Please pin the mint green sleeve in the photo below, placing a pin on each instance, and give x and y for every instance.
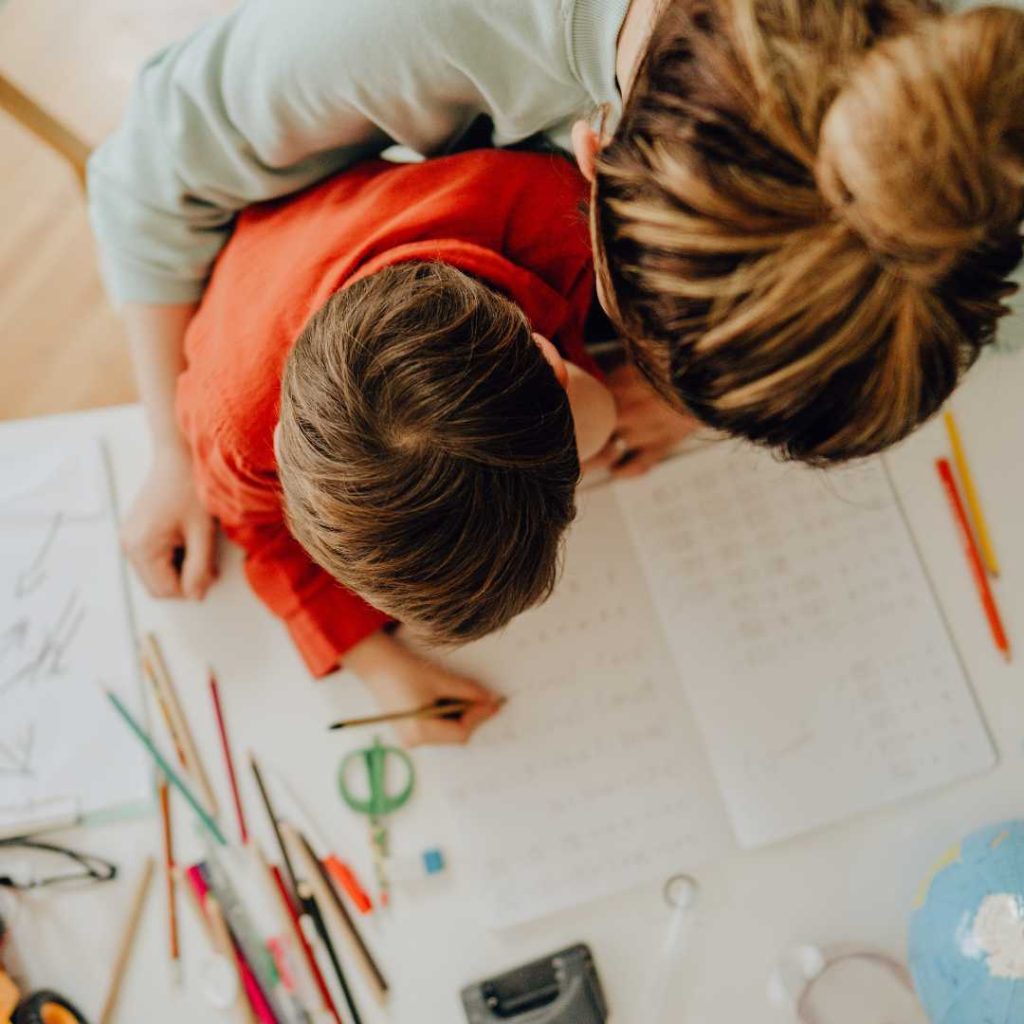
(277, 95)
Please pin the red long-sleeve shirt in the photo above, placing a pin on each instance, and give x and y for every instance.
(510, 219)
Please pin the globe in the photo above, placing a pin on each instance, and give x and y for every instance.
(967, 933)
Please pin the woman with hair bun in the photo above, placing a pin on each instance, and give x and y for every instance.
(805, 221)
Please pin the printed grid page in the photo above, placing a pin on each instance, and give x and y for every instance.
(64, 628)
(592, 778)
(807, 635)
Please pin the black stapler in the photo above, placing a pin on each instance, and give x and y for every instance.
(559, 989)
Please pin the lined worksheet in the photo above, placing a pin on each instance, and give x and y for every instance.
(738, 651)
(593, 777)
(805, 630)
(64, 631)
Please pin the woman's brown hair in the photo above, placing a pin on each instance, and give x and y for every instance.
(426, 450)
(805, 221)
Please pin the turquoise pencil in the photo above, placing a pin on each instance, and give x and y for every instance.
(165, 766)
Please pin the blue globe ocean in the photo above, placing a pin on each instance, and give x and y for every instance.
(967, 934)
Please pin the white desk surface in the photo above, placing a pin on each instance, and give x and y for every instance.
(854, 883)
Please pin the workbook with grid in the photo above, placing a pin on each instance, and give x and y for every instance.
(738, 651)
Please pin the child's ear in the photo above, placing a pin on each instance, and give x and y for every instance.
(586, 144)
(554, 359)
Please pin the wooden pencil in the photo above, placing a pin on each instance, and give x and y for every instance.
(169, 879)
(988, 550)
(229, 762)
(307, 950)
(167, 768)
(177, 723)
(438, 709)
(226, 948)
(988, 601)
(313, 874)
(312, 921)
(124, 949)
(374, 975)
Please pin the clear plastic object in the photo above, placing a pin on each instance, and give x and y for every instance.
(680, 893)
(844, 986)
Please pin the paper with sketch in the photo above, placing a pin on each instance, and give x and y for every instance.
(64, 627)
(813, 652)
(732, 641)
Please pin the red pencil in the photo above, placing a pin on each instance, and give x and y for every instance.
(172, 908)
(228, 760)
(307, 950)
(988, 602)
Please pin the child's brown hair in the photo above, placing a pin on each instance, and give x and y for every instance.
(805, 221)
(426, 450)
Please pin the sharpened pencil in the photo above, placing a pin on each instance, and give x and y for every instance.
(167, 768)
(988, 550)
(167, 697)
(169, 880)
(988, 601)
(229, 761)
(124, 950)
(438, 709)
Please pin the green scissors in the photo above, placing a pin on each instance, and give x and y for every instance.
(377, 801)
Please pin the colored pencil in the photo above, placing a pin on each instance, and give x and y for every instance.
(275, 824)
(319, 882)
(339, 870)
(124, 950)
(313, 920)
(249, 1002)
(308, 913)
(172, 904)
(970, 549)
(177, 724)
(218, 711)
(438, 709)
(167, 768)
(988, 550)
(307, 950)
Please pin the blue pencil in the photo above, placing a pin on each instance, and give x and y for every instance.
(165, 766)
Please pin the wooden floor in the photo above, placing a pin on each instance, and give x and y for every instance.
(61, 344)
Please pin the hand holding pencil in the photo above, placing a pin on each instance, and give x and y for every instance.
(402, 680)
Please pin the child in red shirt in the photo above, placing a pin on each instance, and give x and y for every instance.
(451, 240)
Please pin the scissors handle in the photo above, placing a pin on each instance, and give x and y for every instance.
(378, 801)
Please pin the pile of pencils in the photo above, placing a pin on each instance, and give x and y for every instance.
(275, 929)
(977, 543)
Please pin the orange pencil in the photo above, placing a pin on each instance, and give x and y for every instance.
(169, 869)
(988, 602)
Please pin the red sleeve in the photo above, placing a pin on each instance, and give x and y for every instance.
(325, 620)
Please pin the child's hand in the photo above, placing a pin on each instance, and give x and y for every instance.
(647, 427)
(167, 519)
(401, 679)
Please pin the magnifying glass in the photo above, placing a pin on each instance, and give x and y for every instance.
(680, 894)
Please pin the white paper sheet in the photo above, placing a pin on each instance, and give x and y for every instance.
(812, 649)
(64, 628)
(592, 778)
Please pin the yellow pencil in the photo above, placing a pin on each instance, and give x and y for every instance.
(988, 551)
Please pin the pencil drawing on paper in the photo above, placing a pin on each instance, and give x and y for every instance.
(34, 575)
(64, 621)
(16, 752)
(47, 656)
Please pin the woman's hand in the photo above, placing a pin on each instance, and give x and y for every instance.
(401, 679)
(647, 428)
(168, 535)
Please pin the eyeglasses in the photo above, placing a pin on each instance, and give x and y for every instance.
(54, 866)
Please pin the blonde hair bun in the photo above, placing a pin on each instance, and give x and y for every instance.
(922, 151)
